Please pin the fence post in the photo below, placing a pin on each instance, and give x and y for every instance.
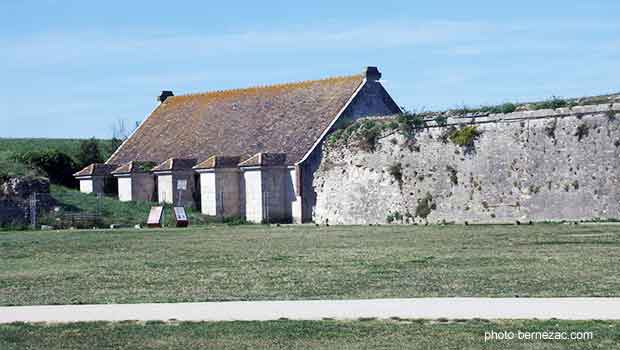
(98, 213)
(33, 211)
(219, 206)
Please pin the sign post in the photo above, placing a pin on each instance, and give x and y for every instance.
(155, 217)
(181, 186)
(181, 217)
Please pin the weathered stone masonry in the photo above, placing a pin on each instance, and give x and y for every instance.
(546, 165)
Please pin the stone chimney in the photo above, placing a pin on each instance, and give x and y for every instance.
(372, 73)
(164, 95)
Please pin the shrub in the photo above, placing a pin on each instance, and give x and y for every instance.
(425, 206)
(550, 128)
(145, 166)
(396, 171)
(369, 132)
(503, 108)
(11, 166)
(441, 120)
(336, 136)
(453, 175)
(465, 136)
(408, 122)
(395, 216)
(552, 103)
(58, 166)
(391, 125)
(582, 131)
(236, 220)
(508, 108)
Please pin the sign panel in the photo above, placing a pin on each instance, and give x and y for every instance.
(181, 217)
(182, 185)
(155, 216)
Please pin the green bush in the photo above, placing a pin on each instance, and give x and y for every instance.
(11, 166)
(335, 136)
(396, 171)
(395, 216)
(369, 131)
(552, 103)
(465, 136)
(507, 107)
(425, 206)
(408, 122)
(582, 131)
(441, 120)
(57, 166)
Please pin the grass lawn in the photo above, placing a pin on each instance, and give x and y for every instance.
(394, 334)
(258, 262)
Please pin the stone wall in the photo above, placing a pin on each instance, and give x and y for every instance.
(371, 100)
(15, 195)
(546, 165)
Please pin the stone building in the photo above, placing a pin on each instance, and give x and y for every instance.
(175, 181)
(135, 181)
(270, 188)
(97, 178)
(220, 187)
(277, 132)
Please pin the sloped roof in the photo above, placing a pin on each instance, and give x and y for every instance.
(219, 162)
(134, 167)
(96, 169)
(266, 159)
(286, 118)
(175, 164)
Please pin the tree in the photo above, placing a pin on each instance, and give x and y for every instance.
(58, 166)
(89, 152)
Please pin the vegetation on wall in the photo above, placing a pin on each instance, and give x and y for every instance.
(441, 120)
(465, 136)
(145, 166)
(552, 103)
(367, 132)
(453, 175)
(396, 171)
(582, 131)
(550, 128)
(408, 122)
(507, 107)
(392, 217)
(425, 206)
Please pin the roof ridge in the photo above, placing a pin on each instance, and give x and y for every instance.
(268, 86)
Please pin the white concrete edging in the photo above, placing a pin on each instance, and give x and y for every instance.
(418, 308)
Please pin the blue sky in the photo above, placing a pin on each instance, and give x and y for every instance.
(73, 68)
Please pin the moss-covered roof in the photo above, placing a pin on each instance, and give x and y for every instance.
(285, 118)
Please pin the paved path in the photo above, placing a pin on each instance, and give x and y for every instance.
(427, 308)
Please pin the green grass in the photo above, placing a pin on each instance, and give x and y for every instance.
(111, 210)
(68, 146)
(393, 334)
(258, 262)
